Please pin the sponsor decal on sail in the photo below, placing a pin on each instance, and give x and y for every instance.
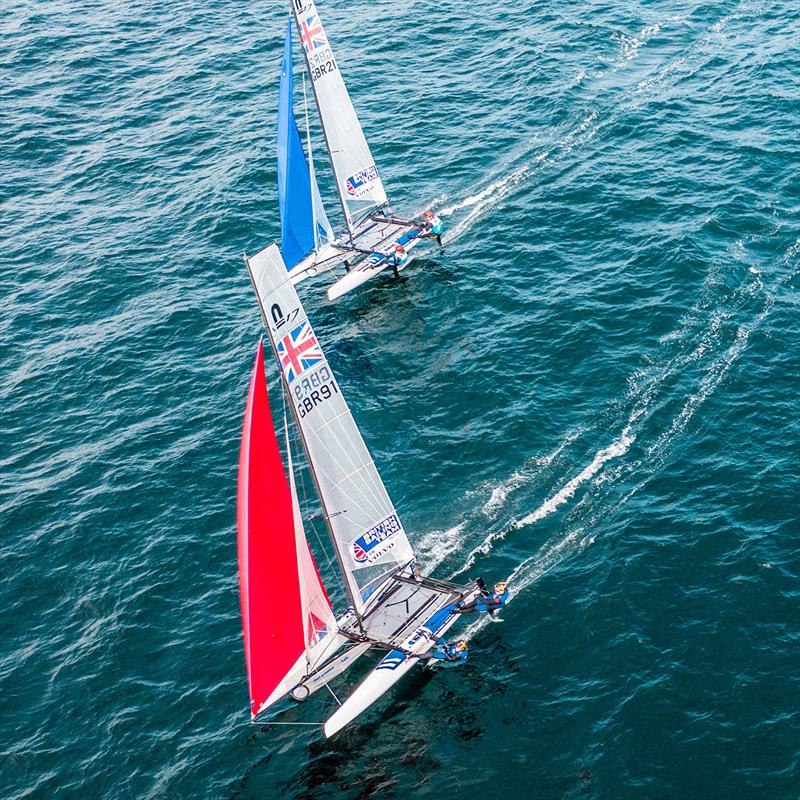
(373, 544)
(358, 184)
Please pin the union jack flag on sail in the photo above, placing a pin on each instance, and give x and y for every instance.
(298, 351)
(312, 34)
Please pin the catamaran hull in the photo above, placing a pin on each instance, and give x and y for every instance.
(368, 269)
(388, 672)
(328, 257)
(393, 667)
(361, 274)
(329, 671)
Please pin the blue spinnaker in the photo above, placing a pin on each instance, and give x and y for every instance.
(294, 178)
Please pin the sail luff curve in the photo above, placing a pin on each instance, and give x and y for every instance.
(357, 180)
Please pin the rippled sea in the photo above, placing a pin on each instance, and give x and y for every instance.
(591, 391)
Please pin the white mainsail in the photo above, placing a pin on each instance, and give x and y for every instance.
(367, 534)
(357, 180)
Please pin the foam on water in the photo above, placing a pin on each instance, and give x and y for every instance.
(617, 448)
(706, 346)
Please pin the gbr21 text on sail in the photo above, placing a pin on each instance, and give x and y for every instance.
(312, 36)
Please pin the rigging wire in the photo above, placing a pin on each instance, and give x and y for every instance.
(327, 686)
(305, 495)
(290, 723)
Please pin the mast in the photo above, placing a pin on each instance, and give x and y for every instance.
(354, 598)
(297, 6)
(298, 197)
(310, 167)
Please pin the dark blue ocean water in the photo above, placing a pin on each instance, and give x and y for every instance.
(593, 390)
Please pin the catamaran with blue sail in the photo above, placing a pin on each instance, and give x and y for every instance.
(374, 238)
(294, 643)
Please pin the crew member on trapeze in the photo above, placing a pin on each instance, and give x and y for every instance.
(448, 652)
(486, 602)
(433, 227)
(398, 256)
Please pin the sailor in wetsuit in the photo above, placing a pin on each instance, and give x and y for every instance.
(398, 256)
(449, 652)
(433, 226)
(486, 602)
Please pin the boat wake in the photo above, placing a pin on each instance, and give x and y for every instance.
(512, 175)
(524, 476)
(617, 448)
(563, 139)
(656, 411)
(437, 546)
(708, 338)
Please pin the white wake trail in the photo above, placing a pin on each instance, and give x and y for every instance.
(491, 195)
(617, 448)
(525, 475)
(532, 568)
(436, 546)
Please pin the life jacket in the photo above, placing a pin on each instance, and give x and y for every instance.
(493, 602)
(449, 652)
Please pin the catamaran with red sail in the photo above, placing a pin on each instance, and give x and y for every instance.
(294, 642)
(374, 239)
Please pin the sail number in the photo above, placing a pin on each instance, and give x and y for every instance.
(313, 390)
(321, 63)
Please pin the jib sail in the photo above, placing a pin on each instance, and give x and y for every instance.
(287, 620)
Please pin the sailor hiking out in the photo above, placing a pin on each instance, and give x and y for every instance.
(397, 258)
(449, 652)
(433, 226)
(486, 602)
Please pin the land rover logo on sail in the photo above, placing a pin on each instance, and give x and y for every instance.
(356, 184)
(370, 546)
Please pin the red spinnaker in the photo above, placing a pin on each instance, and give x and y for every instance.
(269, 579)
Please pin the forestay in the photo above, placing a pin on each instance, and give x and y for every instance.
(367, 534)
(357, 181)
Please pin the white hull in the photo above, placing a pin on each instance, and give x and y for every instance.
(326, 258)
(367, 270)
(329, 671)
(392, 668)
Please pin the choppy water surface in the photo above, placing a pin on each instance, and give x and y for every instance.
(593, 390)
